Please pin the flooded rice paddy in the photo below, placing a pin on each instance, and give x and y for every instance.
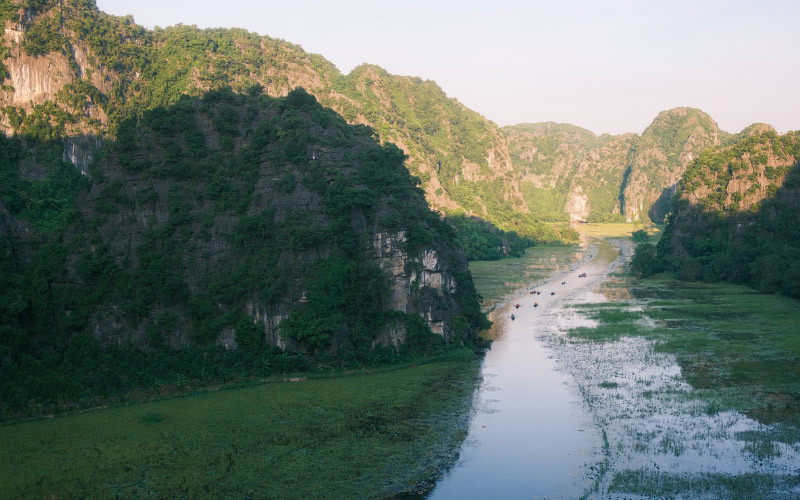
(578, 400)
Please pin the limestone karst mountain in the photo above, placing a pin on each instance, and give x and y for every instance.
(233, 208)
(736, 216)
(74, 72)
(665, 150)
(569, 173)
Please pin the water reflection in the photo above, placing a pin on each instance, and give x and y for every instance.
(530, 435)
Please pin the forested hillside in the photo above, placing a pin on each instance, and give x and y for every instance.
(569, 173)
(666, 148)
(736, 216)
(72, 71)
(227, 222)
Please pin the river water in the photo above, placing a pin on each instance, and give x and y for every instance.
(530, 435)
(556, 417)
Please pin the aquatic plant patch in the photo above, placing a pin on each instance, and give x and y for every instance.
(650, 484)
(698, 381)
(735, 340)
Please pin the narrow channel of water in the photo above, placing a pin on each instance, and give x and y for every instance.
(530, 435)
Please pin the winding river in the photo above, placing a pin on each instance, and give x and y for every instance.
(556, 417)
(530, 435)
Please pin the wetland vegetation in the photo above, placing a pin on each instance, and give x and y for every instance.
(367, 434)
(706, 382)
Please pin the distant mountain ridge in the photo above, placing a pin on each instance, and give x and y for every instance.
(74, 72)
(568, 172)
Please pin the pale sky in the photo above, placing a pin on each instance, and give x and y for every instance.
(609, 66)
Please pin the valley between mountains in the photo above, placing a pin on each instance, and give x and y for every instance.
(228, 269)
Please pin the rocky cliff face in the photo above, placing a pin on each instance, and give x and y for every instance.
(737, 213)
(569, 173)
(76, 72)
(244, 220)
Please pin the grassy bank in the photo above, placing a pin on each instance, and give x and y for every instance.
(618, 229)
(738, 349)
(362, 435)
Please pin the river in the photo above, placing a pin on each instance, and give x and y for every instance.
(560, 417)
(530, 435)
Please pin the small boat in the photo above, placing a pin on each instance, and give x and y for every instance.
(513, 317)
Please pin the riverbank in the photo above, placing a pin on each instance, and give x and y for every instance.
(679, 390)
(695, 387)
(369, 433)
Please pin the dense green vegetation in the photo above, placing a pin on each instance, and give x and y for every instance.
(564, 158)
(646, 484)
(363, 435)
(224, 171)
(663, 152)
(622, 177)
(142, 69)
(746, 235)
(483, 241)
(670, 131)
(551, 151)
(43, 192)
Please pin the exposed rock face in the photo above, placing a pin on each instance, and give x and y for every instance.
(568, 172)
(424, 271)
(110, 68)
(219, 214)
(34, 80)
(578, 205)
(80, 150)
(667, 147)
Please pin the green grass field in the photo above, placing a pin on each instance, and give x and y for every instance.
(619, 230)
(363, 435)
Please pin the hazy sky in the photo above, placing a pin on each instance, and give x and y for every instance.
(609, 66)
